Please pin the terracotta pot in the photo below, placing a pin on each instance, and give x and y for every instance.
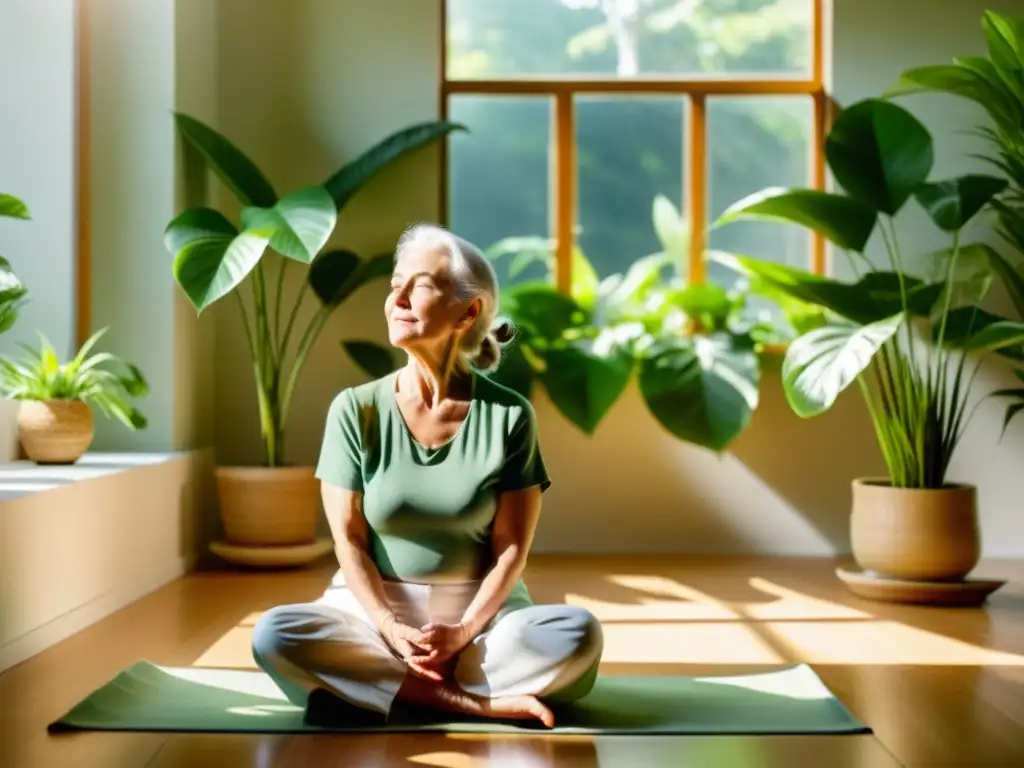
(915, 534)
(55, 431)
(263, 506)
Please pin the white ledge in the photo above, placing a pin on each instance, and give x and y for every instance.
(23, 478)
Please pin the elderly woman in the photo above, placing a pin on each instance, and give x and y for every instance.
(431, 480)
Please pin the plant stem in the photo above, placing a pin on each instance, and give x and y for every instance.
(309, 337)
(277, 307)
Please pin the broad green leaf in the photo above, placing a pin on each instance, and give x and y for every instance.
(345, 182)
(1005, 46)
(302, 222)
(843, 220)
(874, 297)
(879, 153)
(584, 280)
(228, 162)
(954, 202)
(708, 304)
(336, 275)
(13, 208)
(673, 232)
(963, 325)
(543, 309)
(375, 360)
(1006, 83)
(210, 257)
(821, 364)
(995, 336)
(702, 390)
(624, 294)
(584, 385)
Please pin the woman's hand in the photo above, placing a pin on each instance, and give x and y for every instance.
(408, 642)
(443, 642)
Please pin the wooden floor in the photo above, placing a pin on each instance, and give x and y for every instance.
(937, 686)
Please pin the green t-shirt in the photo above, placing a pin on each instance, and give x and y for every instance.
(430, 510)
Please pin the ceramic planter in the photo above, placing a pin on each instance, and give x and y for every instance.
(55, 431)
(268, 506)
(915, 534)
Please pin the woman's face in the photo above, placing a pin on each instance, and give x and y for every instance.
(422, 311)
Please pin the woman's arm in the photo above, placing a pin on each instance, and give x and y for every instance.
(514, 525)
(344, 510)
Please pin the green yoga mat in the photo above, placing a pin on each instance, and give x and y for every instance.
(147, 697)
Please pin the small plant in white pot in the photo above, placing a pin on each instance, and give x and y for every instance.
(55, 421)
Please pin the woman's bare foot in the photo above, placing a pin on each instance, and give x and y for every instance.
(520, 707)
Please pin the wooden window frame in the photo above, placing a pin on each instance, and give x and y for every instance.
(695, 182)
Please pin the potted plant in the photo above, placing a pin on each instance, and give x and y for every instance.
(996, 83)
(886, 333)
(275, 503)
(55, 420)
(694, 348)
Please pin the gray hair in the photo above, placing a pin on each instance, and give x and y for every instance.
(472, 277)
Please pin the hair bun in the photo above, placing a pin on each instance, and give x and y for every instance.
(503, 332)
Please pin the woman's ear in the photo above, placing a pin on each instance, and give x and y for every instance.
(470, 315)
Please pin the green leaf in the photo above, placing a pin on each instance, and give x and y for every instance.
(1004, 45)
(879, 153)
(673, 232)
(584, 280)
(336, 275)
(302, 222)
(843, 220)
(958, 81)
(584, 385)
(543, 310)
(954, 202)
(375, 360)
(13, 208)
(995, 336)
(707, 303)
(1017, 394)
(874, 297)
(228, 162)
(702, 390)
(210, 257)
(1013, 278)
(821, 364)
(346, 181)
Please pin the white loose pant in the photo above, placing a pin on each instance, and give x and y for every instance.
(549, 651)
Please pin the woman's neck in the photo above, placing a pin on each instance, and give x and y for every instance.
(433, 379)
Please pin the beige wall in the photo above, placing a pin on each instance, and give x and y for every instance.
(314, 82)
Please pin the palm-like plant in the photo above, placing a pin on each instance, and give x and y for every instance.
(213, 256)
(915, 385)
(996, 83)
(87, 378)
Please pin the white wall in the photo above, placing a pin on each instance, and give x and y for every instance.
(37, 164)
(313, 82)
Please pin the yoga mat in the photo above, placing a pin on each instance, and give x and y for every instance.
(147, 697)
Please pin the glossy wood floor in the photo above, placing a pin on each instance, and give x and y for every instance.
(938, 686)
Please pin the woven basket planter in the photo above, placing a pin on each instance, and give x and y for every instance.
(55, 431)
(268, 506)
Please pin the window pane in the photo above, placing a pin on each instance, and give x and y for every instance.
(499, 173)
(753, 143)
(627, 38)
(629, 151)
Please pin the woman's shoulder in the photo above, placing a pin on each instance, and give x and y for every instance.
(358, 397)
(497, 396)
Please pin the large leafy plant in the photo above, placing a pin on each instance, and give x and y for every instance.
(888, 330)
(214, 257)
(995, 83)
(94, 379)
(12, 291)
(692, 347)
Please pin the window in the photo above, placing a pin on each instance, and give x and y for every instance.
(581, 112)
